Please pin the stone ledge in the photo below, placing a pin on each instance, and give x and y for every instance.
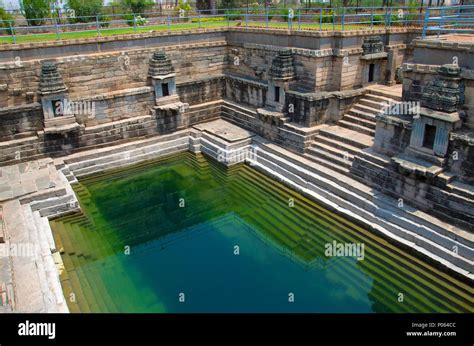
(20, 108)
(432, 69)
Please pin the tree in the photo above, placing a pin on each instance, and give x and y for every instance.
(136, 6)
(7, 20)
(35, 11)
(85, 8)
(207, 5)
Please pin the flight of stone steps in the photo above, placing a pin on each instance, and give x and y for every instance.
(409, 225)
(336, 146)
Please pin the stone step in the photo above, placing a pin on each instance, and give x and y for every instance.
(380, 98)
(359, 128)
(328, 160)
(372, 156)
(349, 136)
(120, 148)
(385, 93)
(461, 189)
(340, 152)
(109, 162)
(367, 109)
(370, 124)
(379, 210)
(370, 173)
(235, 106)
(363, 190)
(361, 115)
(334, 143)
(372, 104)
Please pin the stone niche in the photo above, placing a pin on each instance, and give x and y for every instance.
(168, 108)
(163, 79)
(53, 94)
(439, 116)
(282, 72)
(373, 60)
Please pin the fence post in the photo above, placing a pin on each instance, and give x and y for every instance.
(441, 22)
(169, 23)
(246, 20)
(266, 18)
(371, 17)
(390, 18)
(320, 19)
(343, 17)
(12, 31)
(97, 25)
(199, 19)
(57, 28)
(425, 22)
(333, 20)
(134, 23)
(299, 20)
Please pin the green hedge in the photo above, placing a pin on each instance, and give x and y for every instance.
(4, 15)
(210, 19)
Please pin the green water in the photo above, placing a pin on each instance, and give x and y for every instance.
(185, 234)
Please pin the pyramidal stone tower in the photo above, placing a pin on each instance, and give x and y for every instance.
(54, 100)
(281, 73)
(163, 78)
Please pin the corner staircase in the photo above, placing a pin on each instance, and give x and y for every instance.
(335, 146)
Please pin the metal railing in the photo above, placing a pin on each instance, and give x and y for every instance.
(319, 19)
(450, 19)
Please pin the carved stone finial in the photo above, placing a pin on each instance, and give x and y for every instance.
(372, 45)
(160, 65)
(282, 66)
(50, 79)
(446, 92)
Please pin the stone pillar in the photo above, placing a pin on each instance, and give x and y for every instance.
(390, 76)
(417, 133)
(441, 141)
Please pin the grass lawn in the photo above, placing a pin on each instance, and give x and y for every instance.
(174, 27)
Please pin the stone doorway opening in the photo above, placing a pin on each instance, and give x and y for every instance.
(371, 73)
(429, 137)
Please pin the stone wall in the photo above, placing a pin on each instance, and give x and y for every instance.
(21, 120)
(312, 109)
(421, 193)
(112, 73)
(462, 164)
(245, 91)
(392, 135)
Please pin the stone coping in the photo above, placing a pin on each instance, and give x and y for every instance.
(433, 69)
(466, 136)
(375, 56)
(272, 31)
(247, 80)
(305, 51)
(20, 108)
(91, 55)
(315, 96)
(438, 115)
(442, 43)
